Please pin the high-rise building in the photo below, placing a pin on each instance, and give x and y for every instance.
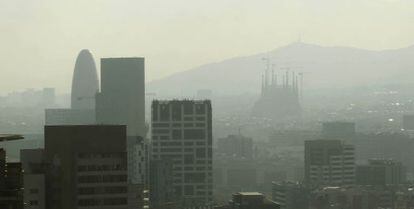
(381, 172)
(85, 82)
(182, 132)
(88, 168)
(329, 163)
(122, 97)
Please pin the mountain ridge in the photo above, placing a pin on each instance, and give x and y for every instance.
(323, 67)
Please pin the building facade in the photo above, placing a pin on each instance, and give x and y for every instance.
(122, 97)
(182, 132)
(381, 172)
(329, 163)
(88, 168)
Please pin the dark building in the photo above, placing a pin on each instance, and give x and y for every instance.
(182, 132)
(236, 145)
(161, 185)
(329, 163)
(278, 101)
(11, 183)
(338, 130)
(122, 97)
(381, 172)
(88, 168)
(250, 200)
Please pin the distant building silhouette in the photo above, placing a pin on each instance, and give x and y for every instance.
(84, 89)
(122, 96)
(85, 82)
(278, 100)
(182, 132)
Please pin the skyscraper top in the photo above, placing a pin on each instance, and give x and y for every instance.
(85, 82)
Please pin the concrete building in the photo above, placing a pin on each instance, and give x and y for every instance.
(249, 200)
(88, 168)
(34, 178)
(329, 163)
(122, 97)
(182, 132)
(236, 145)
(290, 195)
(70, 116)
(85, 82)
(381, 172)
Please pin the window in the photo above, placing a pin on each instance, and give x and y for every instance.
(188, 190)
(194, 134)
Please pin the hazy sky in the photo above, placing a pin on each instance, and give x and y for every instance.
(40, 39)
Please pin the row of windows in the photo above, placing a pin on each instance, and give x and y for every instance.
(105, 201)
(102, 178)
(114, 167)
(102, 190)
(101, 155)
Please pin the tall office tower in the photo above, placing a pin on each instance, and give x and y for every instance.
(85, 82)
(88, 168)
(122, 96)
(34, 178)
(329, 163)
(182, 132)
